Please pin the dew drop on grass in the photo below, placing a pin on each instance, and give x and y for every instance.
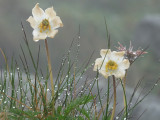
(155, 84)
(55, 86)
(5, 102)
(65, 89)
(117, 118)
(47, 89)
(68, 93)
(13, 107)
(124, 118)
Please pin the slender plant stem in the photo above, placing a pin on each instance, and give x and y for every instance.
(50, 74)
(74, 83)
(114, 104)
(106, 116)
(125, 100)
(124, 85)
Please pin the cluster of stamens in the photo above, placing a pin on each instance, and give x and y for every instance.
(111, 65)
(44, 25)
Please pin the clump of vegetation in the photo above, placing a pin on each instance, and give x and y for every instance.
(69, 95)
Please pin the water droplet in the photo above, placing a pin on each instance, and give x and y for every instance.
(117, 118)
(13, 107)
(79, 37)
(155, 84)
(124, 118)
(65, 89)
(47, 89)
(55, 86)
(5, 102)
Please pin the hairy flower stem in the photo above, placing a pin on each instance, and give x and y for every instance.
(114, 104)
(50, 74)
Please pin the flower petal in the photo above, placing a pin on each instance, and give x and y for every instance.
(52, 33)
(56, 22)
(37, 12)
(104, 73)
(124, 64)
(118, 54)
(32, 22)
(119, 74)
(105, 52)
(98, 64)
(38, 36)
(50, 13)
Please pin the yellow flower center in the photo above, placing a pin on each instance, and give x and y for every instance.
(44, 25)
(111, 65)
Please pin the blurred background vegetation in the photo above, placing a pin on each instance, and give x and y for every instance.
(128, 20)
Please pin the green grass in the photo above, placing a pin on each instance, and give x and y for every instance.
(26, 95)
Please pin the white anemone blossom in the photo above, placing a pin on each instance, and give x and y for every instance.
(111, 63)
(44, 23)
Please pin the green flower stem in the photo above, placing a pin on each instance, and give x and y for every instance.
(50, 74)
(114, 104)
(124, 85)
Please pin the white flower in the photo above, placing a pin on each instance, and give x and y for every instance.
(111, 63)
(44, 23)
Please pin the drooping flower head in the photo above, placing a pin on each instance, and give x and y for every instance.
(129, 53)
(44, 23)
(111, 63)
